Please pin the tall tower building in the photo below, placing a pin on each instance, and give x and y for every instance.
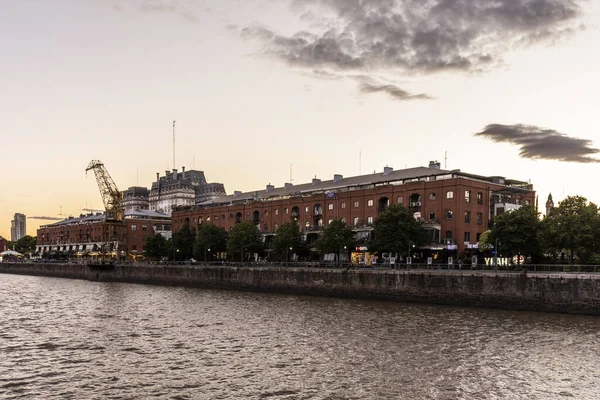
(549, 204)
(18, 227)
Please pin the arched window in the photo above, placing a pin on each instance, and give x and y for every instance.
(449, 194)
(449, 214)
(431, 196)
(355, 221)
(431, 215)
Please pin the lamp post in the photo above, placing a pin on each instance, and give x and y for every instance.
(342, 247)
(205, 249)
(286, 254)
(496, 257)
(410, 245)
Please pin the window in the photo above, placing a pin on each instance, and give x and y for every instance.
(134, 247)
(356, 203)
(478, 236)
(343, 205)
(467, 196)
(330, 206)
(355, 221)
(467, 217)
(370, 203)
(399, 200)
(329, 222)
(275, 227)
(276, 211)
(479, 198)
(208, 218)
(266, 227)
(306, 209)
(369, 220)
(144, 228)
(449, 214)
(431, 196)
(467, 236)
(287, 211)
(133, 228)
(479, 218)
(449, 235)
(133, 238)
(431, 215)
(266, 213)
(307, 224)
(223, 216)
(450, 194)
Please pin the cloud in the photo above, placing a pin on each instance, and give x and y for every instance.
(394, 91)
(174, 7)
(47, 218)
(416, 36)
(538, 143)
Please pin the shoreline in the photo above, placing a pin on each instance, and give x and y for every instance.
(574, 293)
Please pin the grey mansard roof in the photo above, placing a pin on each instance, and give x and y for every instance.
(142, 214)
(389, 176)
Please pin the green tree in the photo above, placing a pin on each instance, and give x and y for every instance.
(182, 243)
(156, 247)
(288, 235)
(518, 232)
(576, 226)
(485, 240)
(26, 245)
(244, 238)
(334, 237)
(395, 230)
(210, 239)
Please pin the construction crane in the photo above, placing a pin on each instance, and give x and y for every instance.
(112, 197)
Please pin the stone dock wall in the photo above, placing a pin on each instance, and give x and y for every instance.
(565, 293)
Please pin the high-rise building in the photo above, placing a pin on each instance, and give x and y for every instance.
(18, 227)
(136, 198)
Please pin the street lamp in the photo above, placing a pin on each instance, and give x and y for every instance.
(496, 256)
(286, 254)
(410, 244)
(340, 254)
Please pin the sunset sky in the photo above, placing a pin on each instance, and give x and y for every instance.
(505, 87)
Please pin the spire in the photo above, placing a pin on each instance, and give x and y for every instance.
(549, 204)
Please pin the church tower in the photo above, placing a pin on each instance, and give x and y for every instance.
(549, 204)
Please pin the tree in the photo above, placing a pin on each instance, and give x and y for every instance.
(485, 240)
(209, 239)
(26, 245)
(575, 224)
(518, 232)
(156, 247)
(288, 235)
(395, 230)
(182, 243)
(334, 237)
(243, 239)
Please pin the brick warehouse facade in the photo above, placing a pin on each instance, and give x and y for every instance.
(454, 207)
(83, 235)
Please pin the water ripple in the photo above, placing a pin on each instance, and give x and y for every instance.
(68, 339)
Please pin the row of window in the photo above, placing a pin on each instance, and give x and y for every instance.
(466, 237)
(450, 215)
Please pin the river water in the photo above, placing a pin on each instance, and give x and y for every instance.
(70, 339)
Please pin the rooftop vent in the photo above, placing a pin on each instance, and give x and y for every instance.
(270, 187)
(337, 178)
(316, 181)
(387, 171)
(434, 164)
(288, 185)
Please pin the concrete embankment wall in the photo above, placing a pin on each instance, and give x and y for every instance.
(567, 293)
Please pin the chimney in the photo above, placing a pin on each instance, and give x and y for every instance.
(434, 164)
(270, 187)
(316, 181)
(237, 193)
(182, 169)
(157, 176)
(337, 178)
(387, 170)
(288, 185)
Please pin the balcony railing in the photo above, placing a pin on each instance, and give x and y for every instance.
(415, 204)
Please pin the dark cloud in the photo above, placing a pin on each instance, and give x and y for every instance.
(416, 36)
(539, 143)
(46, 218)
(392, 90)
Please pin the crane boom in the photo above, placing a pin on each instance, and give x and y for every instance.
(111, 195)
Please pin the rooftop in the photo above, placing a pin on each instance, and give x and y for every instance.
(129, 214)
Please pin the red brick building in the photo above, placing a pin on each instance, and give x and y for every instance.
(83, 236)
(455, 207)
(3, 244)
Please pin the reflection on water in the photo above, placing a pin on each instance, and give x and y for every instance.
(76, 339)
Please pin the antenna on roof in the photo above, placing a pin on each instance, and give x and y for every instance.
(360, 162)
(174, 144)
(446, 160)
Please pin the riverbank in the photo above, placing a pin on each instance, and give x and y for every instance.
(564, 293)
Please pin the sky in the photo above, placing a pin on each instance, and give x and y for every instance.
(268, 90)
